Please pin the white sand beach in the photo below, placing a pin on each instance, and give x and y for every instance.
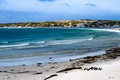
(110, 71)
(106, 69)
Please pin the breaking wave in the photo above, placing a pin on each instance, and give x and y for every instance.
(45, 43)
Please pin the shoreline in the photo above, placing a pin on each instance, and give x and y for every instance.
(51, 70)
(102, 29)
(29, 61)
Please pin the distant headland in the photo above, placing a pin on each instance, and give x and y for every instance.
(87, 23)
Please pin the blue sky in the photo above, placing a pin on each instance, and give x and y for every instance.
(52, 10)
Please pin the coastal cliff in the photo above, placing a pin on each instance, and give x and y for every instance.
(68, 23)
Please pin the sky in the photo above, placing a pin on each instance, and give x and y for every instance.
(54, 10)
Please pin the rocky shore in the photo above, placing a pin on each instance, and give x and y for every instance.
(47, 71)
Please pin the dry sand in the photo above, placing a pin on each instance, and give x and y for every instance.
(110, 71)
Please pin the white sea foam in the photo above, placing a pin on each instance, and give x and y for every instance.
(45, 43)
(16, 45)
(110, 30)
(41, 42)
(90, 38)
(64, 42)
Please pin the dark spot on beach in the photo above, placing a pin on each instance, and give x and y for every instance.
(39, 64)
(70, 60)
(50, 57)
(38, 73)
(51, 76)
(1, 71)
(52, 67)
(23, 65)
(4, 71)
(12, 70)
(68, 69)
(93, 68)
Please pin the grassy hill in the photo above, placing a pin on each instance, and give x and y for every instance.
(67, 23)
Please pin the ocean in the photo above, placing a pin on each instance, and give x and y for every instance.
(42, 45)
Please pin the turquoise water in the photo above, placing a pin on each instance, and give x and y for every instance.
(33, 42)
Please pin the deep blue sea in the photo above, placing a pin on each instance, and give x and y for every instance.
(32, 45)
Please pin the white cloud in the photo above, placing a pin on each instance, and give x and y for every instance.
(61, 6)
